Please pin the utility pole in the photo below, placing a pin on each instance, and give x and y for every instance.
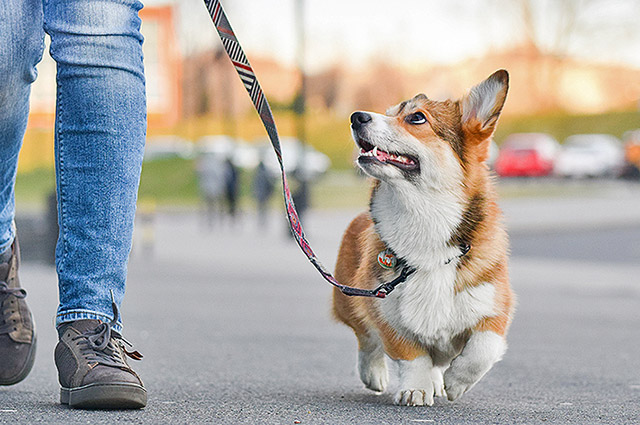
(300, 101)
(301, 195)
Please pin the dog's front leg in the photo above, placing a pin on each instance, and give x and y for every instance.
(478, 356)
(371, 363)
(417, 385)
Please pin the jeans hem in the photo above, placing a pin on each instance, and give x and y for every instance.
(12, 237)
(73, 315)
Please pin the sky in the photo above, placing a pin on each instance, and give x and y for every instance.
(415, 32)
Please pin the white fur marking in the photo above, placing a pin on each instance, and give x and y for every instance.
(417, 224)
(437, 171)
(372, 366)
(482, 351)
(416, 382)
(437, 377)
(427, 309)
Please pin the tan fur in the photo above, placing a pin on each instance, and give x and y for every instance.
(358, 265)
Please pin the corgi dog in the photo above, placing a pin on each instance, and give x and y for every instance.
(433, 209)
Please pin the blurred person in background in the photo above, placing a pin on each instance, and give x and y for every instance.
(211, 182)
(263, 186)
(100, 131)
(231, 186)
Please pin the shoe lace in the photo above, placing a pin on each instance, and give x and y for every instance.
(103, 344)
(5, 291)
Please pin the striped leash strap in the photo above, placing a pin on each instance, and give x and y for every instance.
(246, 74)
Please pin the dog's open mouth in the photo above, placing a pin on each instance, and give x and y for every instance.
(368, 152)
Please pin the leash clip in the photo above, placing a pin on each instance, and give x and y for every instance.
(386, 288)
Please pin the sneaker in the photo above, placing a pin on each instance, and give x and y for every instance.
(17, 330)
(93, 369)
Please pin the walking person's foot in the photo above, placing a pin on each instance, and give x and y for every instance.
(92, 367)
(17, 330)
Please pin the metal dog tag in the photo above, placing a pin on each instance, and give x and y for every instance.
(387, 259)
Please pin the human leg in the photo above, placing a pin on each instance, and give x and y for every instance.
(99, 143)
(21, 44)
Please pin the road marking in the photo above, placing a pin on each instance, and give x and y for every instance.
(8, 411)
(422, 420)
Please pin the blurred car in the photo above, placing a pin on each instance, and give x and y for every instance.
(218, 145)
(632, 153)
(163, 147)
(590, 155)
(299, 158)
(242, 154)
(526, 155)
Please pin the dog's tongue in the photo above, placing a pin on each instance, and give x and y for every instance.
(381, 156)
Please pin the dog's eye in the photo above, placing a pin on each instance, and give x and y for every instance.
(416, 118)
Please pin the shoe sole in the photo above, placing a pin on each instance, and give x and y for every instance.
(27, 366)
(105, 396)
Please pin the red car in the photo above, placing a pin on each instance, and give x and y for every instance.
(527, 155)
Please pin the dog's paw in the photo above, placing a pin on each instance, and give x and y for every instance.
(414, 397)
(456, 385)
(454, 391)
(373, 371)
(376, 379)
(482, 350)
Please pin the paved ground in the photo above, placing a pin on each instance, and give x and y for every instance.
(235, 328)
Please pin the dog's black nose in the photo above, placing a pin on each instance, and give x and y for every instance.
(358, 119)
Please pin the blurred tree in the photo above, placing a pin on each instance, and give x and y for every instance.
(384, 86)
(559, 27)
(324, 87)
(555, 31)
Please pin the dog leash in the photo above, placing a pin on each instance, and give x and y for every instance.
(248, 77)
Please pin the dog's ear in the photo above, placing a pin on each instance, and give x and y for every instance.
(481, 108)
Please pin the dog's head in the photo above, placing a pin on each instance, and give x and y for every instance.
(429, 142)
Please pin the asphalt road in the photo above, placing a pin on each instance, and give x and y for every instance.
(609, 244)
(235, 329)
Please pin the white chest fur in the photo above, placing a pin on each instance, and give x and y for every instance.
(418, 228)
(417, 225)
(427, 308)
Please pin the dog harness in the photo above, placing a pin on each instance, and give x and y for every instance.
(248, 77)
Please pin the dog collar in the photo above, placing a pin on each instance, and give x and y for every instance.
(388, 260)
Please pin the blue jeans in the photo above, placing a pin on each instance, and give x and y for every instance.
(100, 131)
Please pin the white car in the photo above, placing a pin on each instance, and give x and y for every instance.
(242, 154)
(300, 158)
(163, 147)
(590, 155)
(307, 162)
